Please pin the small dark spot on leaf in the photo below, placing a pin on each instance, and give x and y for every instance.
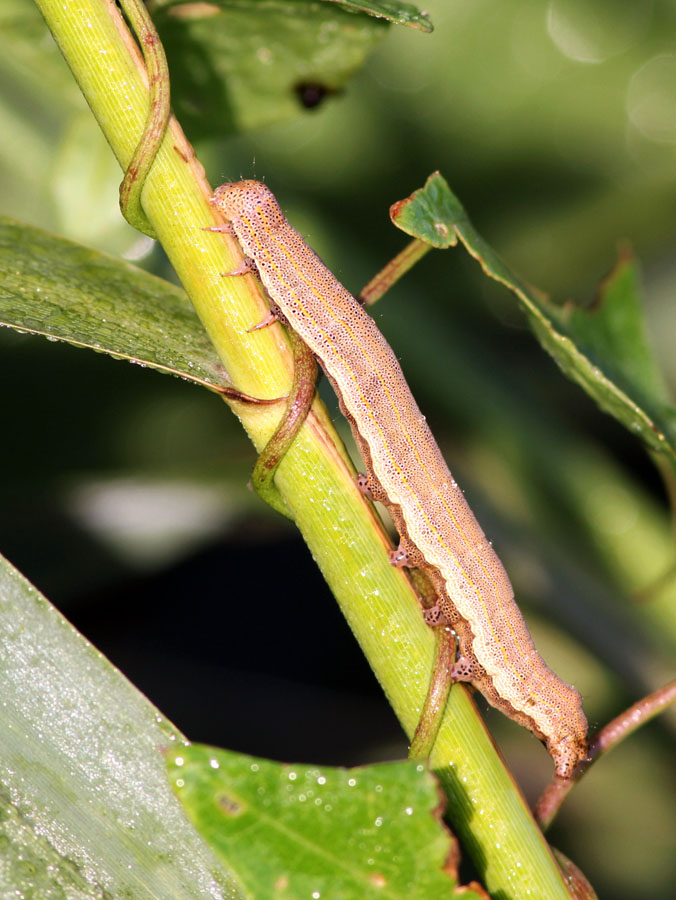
(311, 94)
(230, 805)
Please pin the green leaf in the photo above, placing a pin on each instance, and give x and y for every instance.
(430, 213)
(57, 168)
(603, 348)
(240, 65)
(371, 832)
(85, 808)
(64, 291)
(613, 331)
(393, 11)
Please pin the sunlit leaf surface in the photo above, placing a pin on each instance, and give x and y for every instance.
(350, 833)
(53, 287)
(86, 810)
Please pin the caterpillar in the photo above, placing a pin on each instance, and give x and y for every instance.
(407, 472)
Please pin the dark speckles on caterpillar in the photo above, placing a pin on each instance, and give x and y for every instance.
(406, 469)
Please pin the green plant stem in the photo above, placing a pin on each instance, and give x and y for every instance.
(315, 477)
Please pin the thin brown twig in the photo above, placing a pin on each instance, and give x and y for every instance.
(157, 119)
(606, 739)
(393, 271)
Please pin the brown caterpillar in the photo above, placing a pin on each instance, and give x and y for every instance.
(406, 471)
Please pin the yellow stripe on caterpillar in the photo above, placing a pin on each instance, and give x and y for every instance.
(406, 471)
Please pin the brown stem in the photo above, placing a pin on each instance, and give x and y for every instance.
(440, 680)
(156, 121)
(437, 695)
(393, 271)
(298, 405)
(233, 394)
(632, 719)
(608, 737)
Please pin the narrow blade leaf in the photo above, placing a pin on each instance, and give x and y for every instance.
(86, 807)
(59, 289)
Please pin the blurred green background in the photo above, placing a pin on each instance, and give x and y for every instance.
(123, 494)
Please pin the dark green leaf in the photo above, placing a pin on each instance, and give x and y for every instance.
(393, 11)
(372, 832)
(64, 291)
(613, 331)
(240, 65)
(603, 348)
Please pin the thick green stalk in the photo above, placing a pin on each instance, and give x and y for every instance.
(315, 477)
